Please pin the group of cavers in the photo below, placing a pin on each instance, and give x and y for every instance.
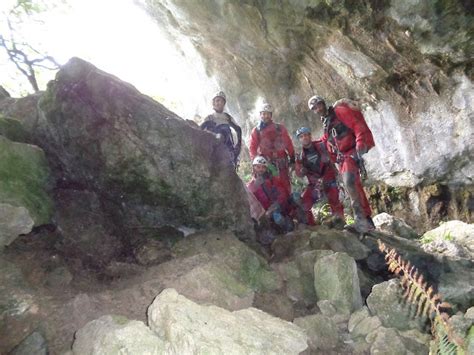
(335, 156)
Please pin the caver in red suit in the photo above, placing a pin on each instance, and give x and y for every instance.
(347, 137)
(272, 141)
(315, 164)
(271, 192)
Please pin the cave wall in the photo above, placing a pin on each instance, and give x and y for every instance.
(409, 65)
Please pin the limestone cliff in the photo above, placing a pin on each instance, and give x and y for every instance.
(409, 64)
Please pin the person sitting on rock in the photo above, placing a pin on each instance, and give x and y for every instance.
(347, 138)
(272, 141)
(271, 192)
(222, 124)
(314, 163)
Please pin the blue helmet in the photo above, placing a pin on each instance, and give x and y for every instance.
(302, 130)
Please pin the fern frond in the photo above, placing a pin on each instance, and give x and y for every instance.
(428, 303)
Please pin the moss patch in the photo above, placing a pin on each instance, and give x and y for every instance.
(12, 129)
(24, 178)
(254, 273)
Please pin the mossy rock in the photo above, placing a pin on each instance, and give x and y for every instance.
(24, 179)
(13, 130)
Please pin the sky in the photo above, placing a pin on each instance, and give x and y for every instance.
(118, 37)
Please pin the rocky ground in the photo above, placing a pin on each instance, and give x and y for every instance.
(326, 282)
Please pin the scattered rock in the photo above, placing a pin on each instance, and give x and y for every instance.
(114, 334)
(213, 283)
(452, 239)
(34, 343)
(224, 247)
(192, 328)
(335, 279)
(393, 225)
(387, 303)
(327, 308)
(366, 326)
(357, 317)
(386, 341)
(13, 222)
(339, 241)
(152, 252)
(322, 332)
(276, 304)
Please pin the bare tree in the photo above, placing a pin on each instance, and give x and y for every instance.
(26, 58)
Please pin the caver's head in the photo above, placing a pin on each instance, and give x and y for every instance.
(259, 165)
(218, 102)
(317, 104)
(266, 112)
(304, 136)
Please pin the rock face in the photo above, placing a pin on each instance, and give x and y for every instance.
(24, 181)
(146, 165)
(407, 62)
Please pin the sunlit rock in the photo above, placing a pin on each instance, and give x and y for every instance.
(191, 328)
(115, 334)
(393, 225)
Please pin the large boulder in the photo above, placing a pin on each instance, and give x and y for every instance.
(24, 182)
(338, 241)
(386, 302)
(83, 228)
(114, 335)
(191, 328)
(13, 130)
(226, 249)
(322, 332)
(452, 239)
(148, 166)
(336, 279)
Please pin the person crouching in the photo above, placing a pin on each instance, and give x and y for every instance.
(272, 193)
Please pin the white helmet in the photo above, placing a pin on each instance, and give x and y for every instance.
(314, 100)
(220, 94)
(259, 160)
(265, 107)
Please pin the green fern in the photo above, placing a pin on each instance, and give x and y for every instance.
(428, 303)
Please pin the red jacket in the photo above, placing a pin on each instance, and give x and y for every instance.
(272, 190)
(350, 129)
(272, 141)
(316, 162)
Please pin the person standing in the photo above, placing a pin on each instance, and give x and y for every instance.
(222, 124)
(314, 163)
(347, 138)
(272, 141)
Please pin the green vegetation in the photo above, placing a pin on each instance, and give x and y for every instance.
(24, 178)
(12, 129)
(428, 303)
